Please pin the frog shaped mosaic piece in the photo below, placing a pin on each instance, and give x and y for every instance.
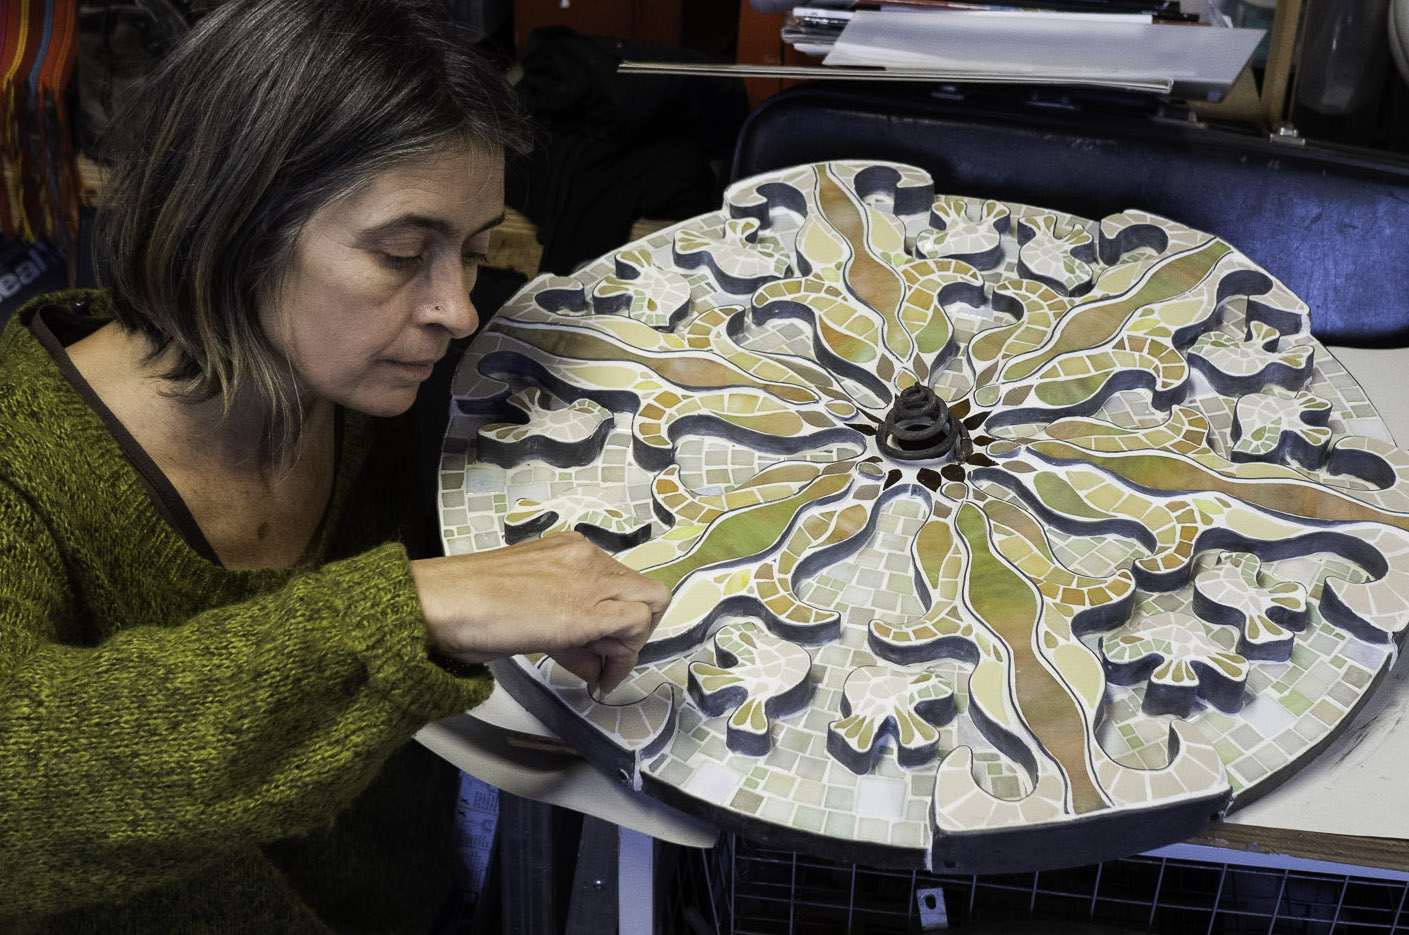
(1059, 259)
(1064, 468)
(971, 232)
(1178, 658)
(878, 702)
(1265, 615)
(756, 678)
(1268, 427)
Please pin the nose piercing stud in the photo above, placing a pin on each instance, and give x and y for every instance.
(437, 308)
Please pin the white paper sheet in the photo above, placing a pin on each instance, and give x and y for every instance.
(1355, 786)
(1199, 60)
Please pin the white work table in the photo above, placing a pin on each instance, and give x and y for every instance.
(1348, 805)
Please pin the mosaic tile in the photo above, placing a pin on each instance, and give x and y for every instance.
(739, 261)
(990, 529)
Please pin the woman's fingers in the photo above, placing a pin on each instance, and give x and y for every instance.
(634, 622)
(559, 595)
(606, 668)
(608, 660)
(581, 663)
(615, 669)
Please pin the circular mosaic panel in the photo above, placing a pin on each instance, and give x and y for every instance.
(999, 538)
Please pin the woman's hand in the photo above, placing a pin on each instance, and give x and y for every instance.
(559, 595)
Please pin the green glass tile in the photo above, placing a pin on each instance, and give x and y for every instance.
(797, 741)
(908, 834)
(779, 784)
(778, 811)
(808, 819)
(1248, 769)
(872, 829)
(746, 802)
(1326, 713)
(840, 824)
(840, 798)
(1344, 695)
(1006, 787)
(675, 772)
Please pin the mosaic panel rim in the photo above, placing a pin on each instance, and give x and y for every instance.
(1163, 561)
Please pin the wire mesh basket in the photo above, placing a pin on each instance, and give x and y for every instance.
(743, 888)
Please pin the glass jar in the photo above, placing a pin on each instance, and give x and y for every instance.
(1344, 51)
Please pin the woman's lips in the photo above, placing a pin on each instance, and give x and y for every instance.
(418, 368)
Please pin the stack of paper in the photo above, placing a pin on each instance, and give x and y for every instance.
(1167, 46)
(1194, 61)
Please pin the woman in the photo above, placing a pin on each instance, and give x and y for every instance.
(214, 647)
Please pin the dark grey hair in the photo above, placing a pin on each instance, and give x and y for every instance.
(268, 110)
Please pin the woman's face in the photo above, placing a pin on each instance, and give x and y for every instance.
(380, 281)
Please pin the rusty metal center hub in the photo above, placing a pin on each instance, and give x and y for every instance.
(919, 427)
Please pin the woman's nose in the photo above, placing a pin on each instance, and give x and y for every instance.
(451, 307)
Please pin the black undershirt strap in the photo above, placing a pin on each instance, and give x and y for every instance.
(51, 326)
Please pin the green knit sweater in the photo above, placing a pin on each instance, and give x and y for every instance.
(189, 749)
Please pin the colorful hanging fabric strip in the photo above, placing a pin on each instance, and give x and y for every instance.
(39, 197)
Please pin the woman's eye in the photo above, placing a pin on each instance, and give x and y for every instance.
(396, 261)
(473, 259)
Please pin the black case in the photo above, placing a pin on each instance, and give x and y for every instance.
(1331, 223)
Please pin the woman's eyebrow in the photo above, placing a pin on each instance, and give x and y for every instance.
(493, 222)
(426, 222)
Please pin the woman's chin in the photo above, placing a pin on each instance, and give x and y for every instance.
(384, 404)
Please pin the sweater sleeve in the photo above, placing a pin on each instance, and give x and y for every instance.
(125, 763)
